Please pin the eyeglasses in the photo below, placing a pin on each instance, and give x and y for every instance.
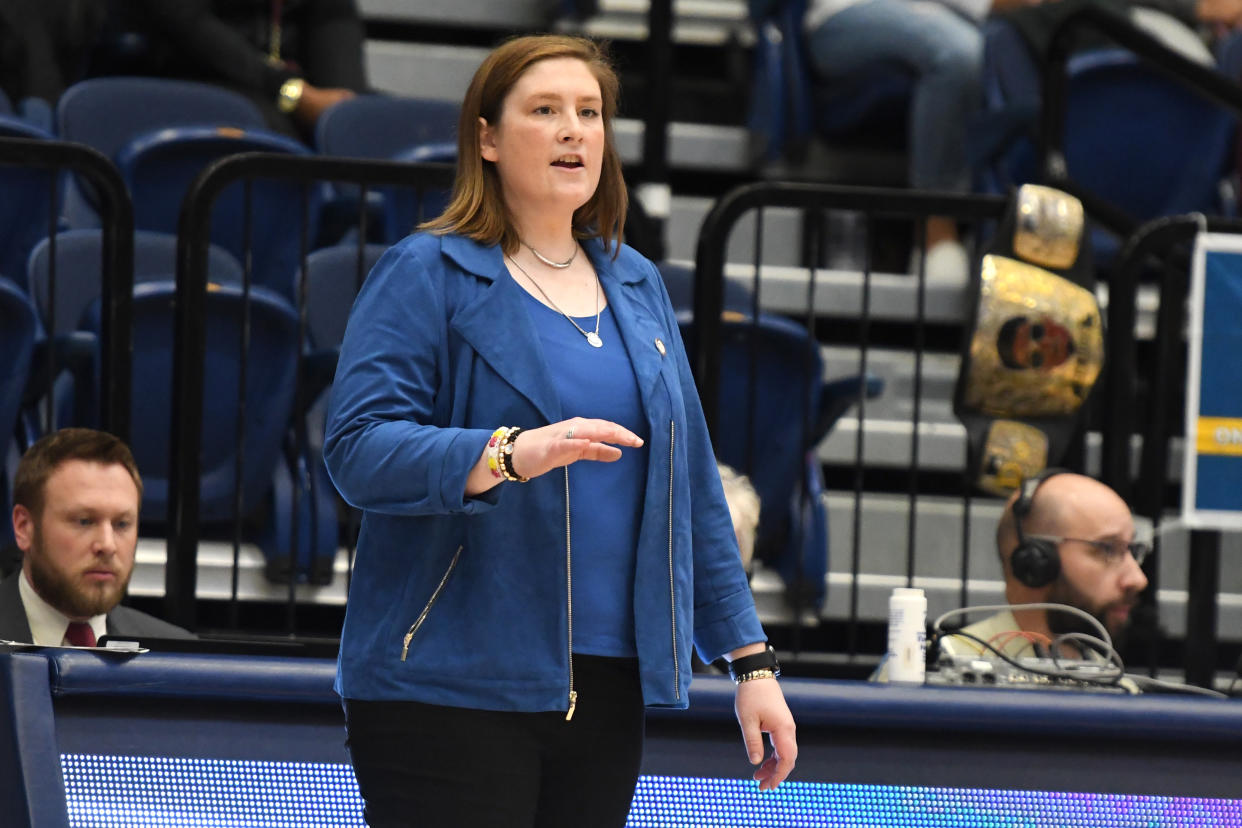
(1110, 551)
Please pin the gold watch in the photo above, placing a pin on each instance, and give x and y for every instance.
(290, 94)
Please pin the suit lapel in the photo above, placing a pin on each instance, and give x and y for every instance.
(14, 625)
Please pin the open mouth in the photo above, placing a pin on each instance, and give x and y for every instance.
(568, 162)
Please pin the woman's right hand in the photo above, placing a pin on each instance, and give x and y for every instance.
(540, 450)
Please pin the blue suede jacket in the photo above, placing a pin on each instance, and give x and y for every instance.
(466, 601)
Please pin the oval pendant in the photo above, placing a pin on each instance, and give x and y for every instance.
(594, 339)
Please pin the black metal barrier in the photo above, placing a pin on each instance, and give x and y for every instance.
(117, 232)
(852, 323)
(189, 344)
(1159, 255)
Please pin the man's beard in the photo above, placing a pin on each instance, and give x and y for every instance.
(1061, 622)
(72, 597)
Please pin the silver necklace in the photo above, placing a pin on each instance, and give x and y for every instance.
(550, 262)
(591, 336)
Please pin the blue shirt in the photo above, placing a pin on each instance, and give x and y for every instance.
(605, 498)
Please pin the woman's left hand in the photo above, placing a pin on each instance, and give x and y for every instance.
(760, 708)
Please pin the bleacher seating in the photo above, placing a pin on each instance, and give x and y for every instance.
(390, 127)
(26, 208)
(107, 113)
(159, 166)
(79, 264)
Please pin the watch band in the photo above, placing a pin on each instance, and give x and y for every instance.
(290, 94)
(742, 668)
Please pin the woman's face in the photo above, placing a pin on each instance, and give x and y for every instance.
(548, 145)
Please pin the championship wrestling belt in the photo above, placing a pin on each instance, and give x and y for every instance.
(1035, 343)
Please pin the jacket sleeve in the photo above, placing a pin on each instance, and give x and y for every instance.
(724, 608)
(382, 449)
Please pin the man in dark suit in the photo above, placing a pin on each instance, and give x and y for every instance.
(75, 517)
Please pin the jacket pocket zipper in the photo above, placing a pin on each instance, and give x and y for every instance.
(422, 616)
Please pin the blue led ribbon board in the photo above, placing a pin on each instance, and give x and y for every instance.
(140, 791)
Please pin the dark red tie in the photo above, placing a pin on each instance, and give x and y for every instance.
(80, 634)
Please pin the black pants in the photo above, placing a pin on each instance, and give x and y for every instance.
(426, 765)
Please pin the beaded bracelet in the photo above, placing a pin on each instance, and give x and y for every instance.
(493, 451)
(504, 456)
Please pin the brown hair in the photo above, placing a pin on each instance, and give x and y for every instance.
(477, 209)
(43, 458)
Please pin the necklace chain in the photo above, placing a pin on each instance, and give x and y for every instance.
(551, 262)
(591, 336)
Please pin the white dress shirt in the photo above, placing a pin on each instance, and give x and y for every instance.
(48, 624)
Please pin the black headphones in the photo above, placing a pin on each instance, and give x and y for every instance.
(1035, 562)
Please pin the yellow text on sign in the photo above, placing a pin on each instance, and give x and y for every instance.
(1219, 435)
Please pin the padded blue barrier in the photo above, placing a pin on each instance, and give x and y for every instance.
(209, 720)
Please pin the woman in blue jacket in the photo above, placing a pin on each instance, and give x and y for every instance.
(514, 609)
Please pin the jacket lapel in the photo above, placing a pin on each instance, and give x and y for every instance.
(496, 325)
(640, 329)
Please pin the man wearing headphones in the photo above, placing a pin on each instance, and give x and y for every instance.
(1063, 538)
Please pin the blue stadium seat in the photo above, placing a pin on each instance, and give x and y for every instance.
(79, 264)
(332, 279)
(386, 127)
(404, 208)
(775, 408)
(26, 202)
(380, 126)
(159, 166)
(271, 481)
(107, 113)
(1171, 158)
(18, 329)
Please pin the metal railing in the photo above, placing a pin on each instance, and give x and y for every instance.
(116, 279)
(914, 330)
(190, 340)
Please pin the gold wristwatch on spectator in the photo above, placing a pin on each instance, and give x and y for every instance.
(289, 95)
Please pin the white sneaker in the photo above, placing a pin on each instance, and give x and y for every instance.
(947, 261)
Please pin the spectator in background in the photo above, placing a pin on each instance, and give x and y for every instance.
(941, 44)
(75, 516)
(743, 502)
(45, 45)
(294, 58)
(1063, 538)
